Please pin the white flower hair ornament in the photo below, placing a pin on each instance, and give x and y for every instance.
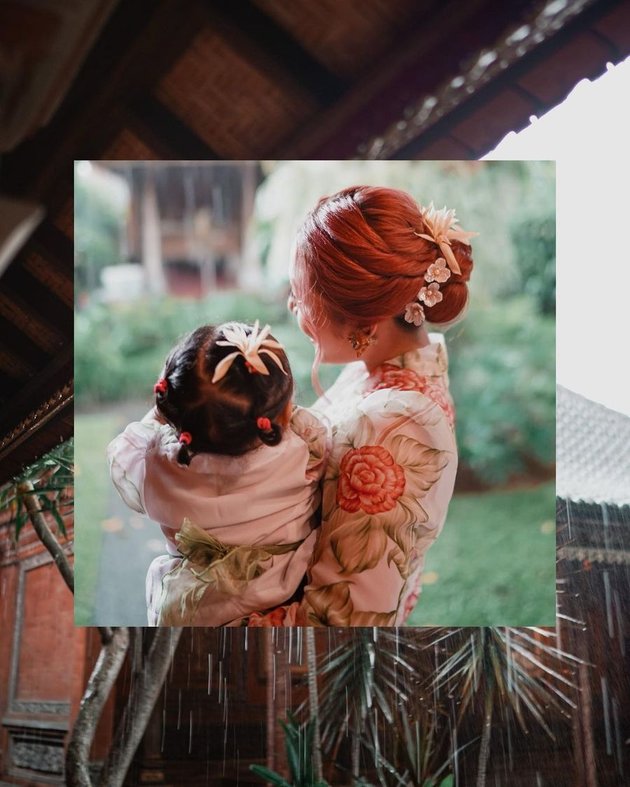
(414, 313)
(431, 294)
(251, 347)
(441, 229)
(438, 271)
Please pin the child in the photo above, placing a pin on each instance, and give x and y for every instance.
(230, 470)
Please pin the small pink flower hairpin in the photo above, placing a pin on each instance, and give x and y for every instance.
(414, 313)
(431, 294)
(437, 271)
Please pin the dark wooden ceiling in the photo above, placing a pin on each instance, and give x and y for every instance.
(210, 79)
(36, 364)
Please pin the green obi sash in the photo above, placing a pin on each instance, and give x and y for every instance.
(208, 562)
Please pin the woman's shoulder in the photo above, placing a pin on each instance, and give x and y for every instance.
(401, 410)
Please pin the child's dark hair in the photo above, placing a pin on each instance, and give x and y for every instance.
(231, 415)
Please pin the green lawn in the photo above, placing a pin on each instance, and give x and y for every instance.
(494, 563)
(92, 488)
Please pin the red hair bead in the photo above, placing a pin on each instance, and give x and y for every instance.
(264, 424)
(185, 437)
(160, 386)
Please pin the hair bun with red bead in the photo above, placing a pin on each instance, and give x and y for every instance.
(161, 386)
(264, 424)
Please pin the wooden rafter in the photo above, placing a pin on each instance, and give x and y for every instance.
(263, 42)
(166, 133)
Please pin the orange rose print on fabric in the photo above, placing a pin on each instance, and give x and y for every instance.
(389, 376)
(267, 620)
(441, 397)
(369, 480)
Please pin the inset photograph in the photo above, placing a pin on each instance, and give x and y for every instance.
(315, 393)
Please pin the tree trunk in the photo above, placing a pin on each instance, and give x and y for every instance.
(356, 753)
(484, 748)
(44, 533)
(143, 693)
(313, 700)
(278, 688)
(587, 725)
(96, 693)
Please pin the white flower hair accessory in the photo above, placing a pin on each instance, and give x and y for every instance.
(431, 294)
(251, 347)
(442, 230)
(414, 313)
(438, 271)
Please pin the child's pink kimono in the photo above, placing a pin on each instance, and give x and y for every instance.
(239, 529)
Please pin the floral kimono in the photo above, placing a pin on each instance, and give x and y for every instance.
(386, 491)
(239, 529)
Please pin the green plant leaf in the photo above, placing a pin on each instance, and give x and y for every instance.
(269, 775)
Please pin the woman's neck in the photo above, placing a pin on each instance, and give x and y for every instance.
(392, 341)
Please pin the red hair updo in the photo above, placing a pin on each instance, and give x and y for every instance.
(358, 259)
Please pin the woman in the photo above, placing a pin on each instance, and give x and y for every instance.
(370, 269)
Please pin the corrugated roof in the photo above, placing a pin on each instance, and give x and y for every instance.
(593, 451)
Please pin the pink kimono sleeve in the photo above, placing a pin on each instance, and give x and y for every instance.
(386, 492)
(127, 460)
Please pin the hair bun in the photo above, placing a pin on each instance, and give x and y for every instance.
(271, 436)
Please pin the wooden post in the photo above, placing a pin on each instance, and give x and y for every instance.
(151, 245)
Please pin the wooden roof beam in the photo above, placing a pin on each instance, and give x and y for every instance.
(19, 344)
(57, 373)
(55, 246)
(271, 49)
(430, 48)
(165, 132)
(510, 80)
(19, 284)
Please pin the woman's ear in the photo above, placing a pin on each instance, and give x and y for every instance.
(367, 329)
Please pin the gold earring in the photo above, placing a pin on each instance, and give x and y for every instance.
(360, 342)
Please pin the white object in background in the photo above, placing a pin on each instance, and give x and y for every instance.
(45, 43)
(122, 283)
(18, 219)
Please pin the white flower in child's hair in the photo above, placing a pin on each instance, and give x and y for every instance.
(437, 271)
(414, 313)
(441, 229)
(251, 347)
(431, 294)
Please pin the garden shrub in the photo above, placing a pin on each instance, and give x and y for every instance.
(502, 372)
(534, 238)
(502, 368)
